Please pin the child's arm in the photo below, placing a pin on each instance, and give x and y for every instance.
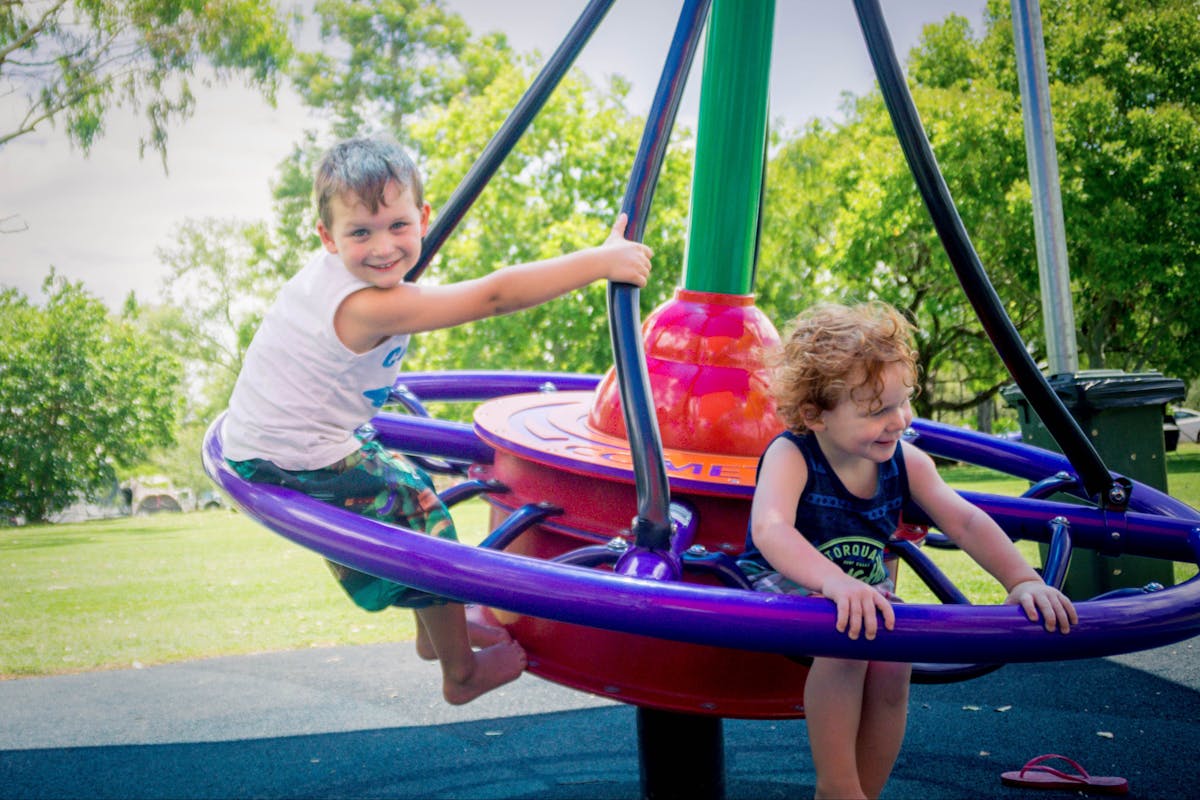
(981, 538)
(371, 314)
(781, 480)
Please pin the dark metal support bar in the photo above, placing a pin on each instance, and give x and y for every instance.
(1097, 480)
(465, 490)
(1058, 555)
(517, 523)
(682, 755)
(510, 132)
(652, 526)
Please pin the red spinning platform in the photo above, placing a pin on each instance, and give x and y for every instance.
(704, 354)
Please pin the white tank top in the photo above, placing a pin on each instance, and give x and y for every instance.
(302, 393)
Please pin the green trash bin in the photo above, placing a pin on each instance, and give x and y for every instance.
(1122, 414)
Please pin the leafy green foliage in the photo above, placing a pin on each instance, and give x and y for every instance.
(844, 221)
(75, 61)
(842, 217)
(558, 191)
(412, 69)
(843, 210)
(216, 290)
(383, 61)
(81, 393)
(1125, 94)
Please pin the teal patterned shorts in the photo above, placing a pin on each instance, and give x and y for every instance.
(378, 484)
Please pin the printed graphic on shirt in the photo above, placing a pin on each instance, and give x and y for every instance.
(394, 356)
(378, 396)
(858, 556)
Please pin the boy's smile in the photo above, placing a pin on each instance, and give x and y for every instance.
(378, 247)
(864, 426)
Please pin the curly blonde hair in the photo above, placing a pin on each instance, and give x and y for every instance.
(832, 350)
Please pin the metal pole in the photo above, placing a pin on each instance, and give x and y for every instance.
(652, 525)
(1112, 492)
(682, 755)
(505, 139)
(1058, 315)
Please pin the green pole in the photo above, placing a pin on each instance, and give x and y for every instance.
(727, 178)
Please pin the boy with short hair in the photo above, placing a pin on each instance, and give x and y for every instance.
(326, 355)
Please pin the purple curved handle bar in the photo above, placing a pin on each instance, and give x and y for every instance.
(729, 617)
(1031, 463)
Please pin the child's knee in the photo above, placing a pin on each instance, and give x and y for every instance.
(890, 681)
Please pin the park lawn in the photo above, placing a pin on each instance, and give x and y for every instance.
(128, 592)
(138, 591)
(1183, 482)
(170, 587)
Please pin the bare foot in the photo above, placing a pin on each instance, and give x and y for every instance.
(494, 666)
(480, 633)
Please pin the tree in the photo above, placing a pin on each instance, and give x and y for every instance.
(559, 190)
(843, 211)
(798, 210)
(216, 292)
(81, 394)
(1125, 95)
(376, 65)
(412, 69)
(75, 60)
(381, 62)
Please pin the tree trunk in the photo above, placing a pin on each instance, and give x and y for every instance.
(986, 412)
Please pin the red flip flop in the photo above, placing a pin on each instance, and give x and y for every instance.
(1035, 775)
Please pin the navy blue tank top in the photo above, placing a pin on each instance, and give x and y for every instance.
(849, 530)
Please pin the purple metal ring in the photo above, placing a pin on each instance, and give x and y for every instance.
(718, 616)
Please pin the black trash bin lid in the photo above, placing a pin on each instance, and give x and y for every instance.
(1097, 390)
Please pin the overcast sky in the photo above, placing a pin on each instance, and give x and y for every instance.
(101, 218)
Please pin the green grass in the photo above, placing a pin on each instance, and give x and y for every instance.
(149, 590)
(170, 587)
(1183, 467)
(1183, 481)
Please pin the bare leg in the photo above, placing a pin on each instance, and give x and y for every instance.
(833, 695)
(480, 632)
(466, 674)
(884, 717)
(424, 646)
